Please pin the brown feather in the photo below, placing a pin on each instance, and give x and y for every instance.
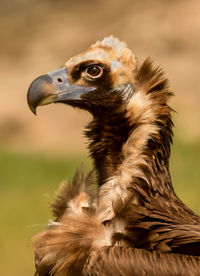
(79, 244)
(119, 261)
(68, 191)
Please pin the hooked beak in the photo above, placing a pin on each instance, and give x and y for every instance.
(54, 87)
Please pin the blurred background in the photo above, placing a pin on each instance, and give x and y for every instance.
(37, 153)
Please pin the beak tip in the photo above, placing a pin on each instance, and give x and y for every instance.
(33, 109)
(39, 89)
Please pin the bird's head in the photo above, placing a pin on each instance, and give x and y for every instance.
(97, 80)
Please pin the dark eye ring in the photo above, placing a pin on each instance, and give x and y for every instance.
(94, 71)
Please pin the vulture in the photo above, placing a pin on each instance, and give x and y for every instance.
(130, 220)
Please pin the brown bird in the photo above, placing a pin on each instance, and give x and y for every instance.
(130, 136)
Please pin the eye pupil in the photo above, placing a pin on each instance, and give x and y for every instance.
(94, 71)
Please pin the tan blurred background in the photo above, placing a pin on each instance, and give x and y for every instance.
(39, 36)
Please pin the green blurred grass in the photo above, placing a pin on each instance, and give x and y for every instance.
(185, 172)
(28, 182)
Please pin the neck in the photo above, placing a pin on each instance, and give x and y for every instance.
(107, 136)
(142, 148)
(130, 156)
(131, 153)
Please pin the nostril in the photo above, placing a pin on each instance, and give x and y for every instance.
(59, 80)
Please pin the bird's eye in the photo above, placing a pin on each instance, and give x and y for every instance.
(94, 71)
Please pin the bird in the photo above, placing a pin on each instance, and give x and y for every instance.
(129, 136)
